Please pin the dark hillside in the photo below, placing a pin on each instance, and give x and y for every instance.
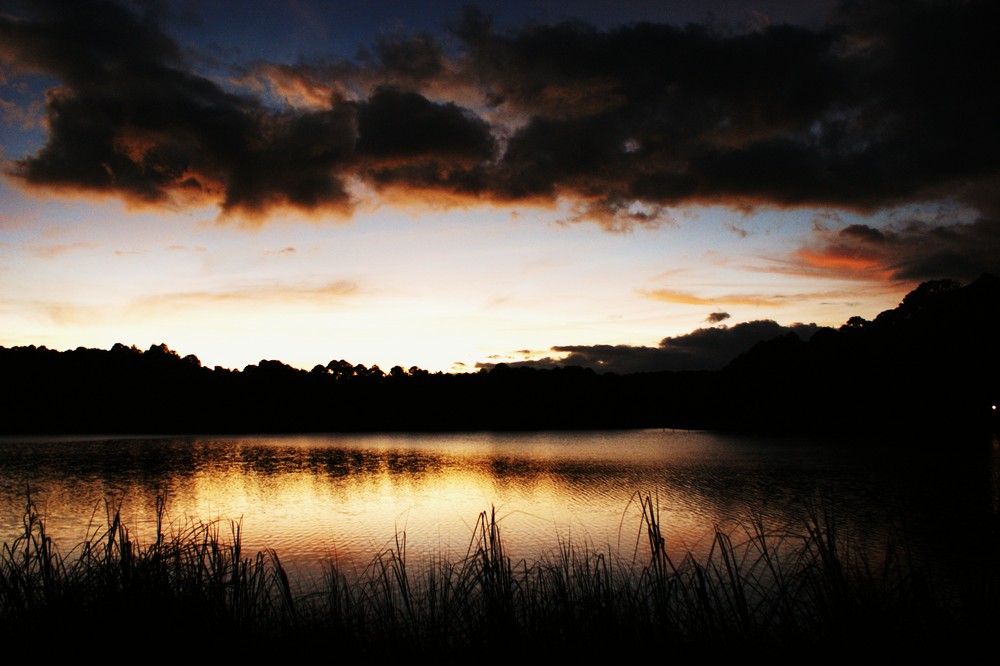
(930, 364)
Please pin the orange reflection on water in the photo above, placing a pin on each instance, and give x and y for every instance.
(343, 499)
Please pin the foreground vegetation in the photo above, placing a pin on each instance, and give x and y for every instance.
(194, 588)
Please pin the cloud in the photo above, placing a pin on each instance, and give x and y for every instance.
(409, 57)
(323, 295)
(23, 118)
(130, 119)
(889, 102)
(60, 313)
(320, 295)
(685, 298)
(66, 314)
(910, 251)
(307, 87)
(702, 349)
(717, 317)
(59, 249)
(405, 139)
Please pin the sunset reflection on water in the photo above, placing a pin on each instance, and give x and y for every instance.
(344, 498)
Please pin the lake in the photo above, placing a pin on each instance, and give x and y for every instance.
(339, 498)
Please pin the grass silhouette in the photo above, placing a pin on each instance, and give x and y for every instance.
(756, 591)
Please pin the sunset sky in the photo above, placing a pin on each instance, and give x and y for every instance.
(446, 185)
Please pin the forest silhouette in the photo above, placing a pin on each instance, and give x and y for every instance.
(928, 366)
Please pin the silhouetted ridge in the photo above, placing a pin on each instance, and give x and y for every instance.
(929, 365)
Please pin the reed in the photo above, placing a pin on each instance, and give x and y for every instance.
(755, 588)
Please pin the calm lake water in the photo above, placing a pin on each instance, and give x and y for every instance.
(343, 498)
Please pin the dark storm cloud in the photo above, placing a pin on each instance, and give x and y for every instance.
(408, 141)
(718, 317)
(398, 124)
(863, 234)
(128, 118)
(702, 349)
(888, 102)
(884, 105)
(413, 58)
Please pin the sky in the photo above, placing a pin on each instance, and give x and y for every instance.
(451, 186)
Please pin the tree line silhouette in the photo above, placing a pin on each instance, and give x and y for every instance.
(929, 365)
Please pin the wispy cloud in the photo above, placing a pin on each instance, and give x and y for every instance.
(686, 298)
(24, 118)
(61, 313)
(282, 251)
(58, 249)
(325, 294)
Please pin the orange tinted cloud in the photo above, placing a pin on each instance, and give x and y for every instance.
(909, 251)
(840, 260)
(299, 87)
(685, 298)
